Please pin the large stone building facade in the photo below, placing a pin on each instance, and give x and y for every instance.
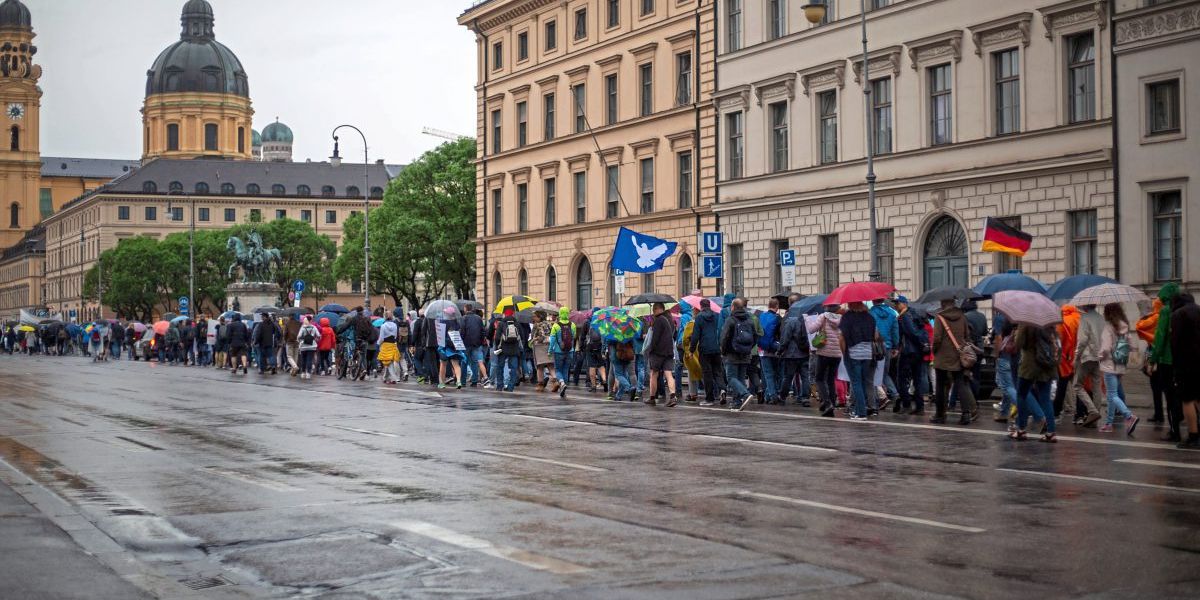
(592, 115)
(1000, 109)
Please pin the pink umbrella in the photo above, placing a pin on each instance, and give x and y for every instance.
(138, 327)
(161, 327)
(1027, 308)
(694, 302)
(580, 317)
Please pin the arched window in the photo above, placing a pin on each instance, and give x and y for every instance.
(253, 189)
(150, 187)
(327, 191)
(686, 279)
(303, 190)
(228, 189)
(497, 287)
(14, 215)
(583, 285)
(201, 188)
(353, 192)
(15, 142)
(175, 187)
(376, 192)
(523, 282)
(551, 285)
(278, 189)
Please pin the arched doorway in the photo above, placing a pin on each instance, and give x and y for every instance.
(583, 285)
(945, 257)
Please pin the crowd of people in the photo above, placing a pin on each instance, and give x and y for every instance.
(861, 358)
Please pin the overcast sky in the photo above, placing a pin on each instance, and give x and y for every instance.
(390, 67)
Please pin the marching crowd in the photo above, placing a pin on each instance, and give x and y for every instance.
(859, 357)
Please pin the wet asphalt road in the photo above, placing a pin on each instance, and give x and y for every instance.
(254, 486)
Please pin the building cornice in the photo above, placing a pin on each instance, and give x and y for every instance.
(997, 31)
(830, 72)
(1064, 14)
(734, 97)
(934, 47)
(1152, 24)
(773, 87)
(881, 60)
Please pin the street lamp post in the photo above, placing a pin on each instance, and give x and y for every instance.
(191, 248)
(336, 160)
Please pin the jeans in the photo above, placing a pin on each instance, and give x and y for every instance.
(791, 368)
(735, 376)
(114, 349)
(562, 362)
(620, 370)
(639, 365)
(710, 366)
(509, 372)
(496, 369)
(1004, 381)
(827, 368)
(266, 358)
(1036, 404)
(860, 383)
(1116, 396)
(189, 354)
(306, 360)
(431, 364)
(474, 357)
(771, 372)
(912, 374)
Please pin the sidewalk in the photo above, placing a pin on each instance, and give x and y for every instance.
(39, 560)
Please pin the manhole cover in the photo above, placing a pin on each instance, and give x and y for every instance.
(204, 583)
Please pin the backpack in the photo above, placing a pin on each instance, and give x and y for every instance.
(743, 337)
(402, 332)
(95, 335)
(1045, 352)
(511, 335)
(1121, 350)
(566, 336)
(625, 351)
(595, 343)
(308, 335)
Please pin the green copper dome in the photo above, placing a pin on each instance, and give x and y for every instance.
(277, 132)
(255, 138)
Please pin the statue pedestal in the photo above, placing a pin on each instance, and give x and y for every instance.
(252, 295)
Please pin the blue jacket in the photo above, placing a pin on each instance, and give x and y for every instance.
(685, 317)
(728, 299)
(705, 334)
(886, 323)
(769, 322)
(912, 334)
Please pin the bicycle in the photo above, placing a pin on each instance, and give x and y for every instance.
(350, 362)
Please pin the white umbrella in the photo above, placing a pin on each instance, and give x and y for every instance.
(1028, 308)
(1110, 293)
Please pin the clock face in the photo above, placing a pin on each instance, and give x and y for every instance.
(16, 110)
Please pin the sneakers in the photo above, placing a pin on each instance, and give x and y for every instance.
(672, 401)
(1131, 423)
(1090, 419)
(1106, 428)
(858, 419)
(562, 392)
(707, 404)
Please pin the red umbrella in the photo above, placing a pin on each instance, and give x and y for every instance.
(161, 327)
(863, 291)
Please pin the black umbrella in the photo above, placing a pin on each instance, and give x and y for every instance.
(650, 299)
(266, 310)
(335, 308)
(297, 311)
(782, 297)
(948, 292)
(466, 306)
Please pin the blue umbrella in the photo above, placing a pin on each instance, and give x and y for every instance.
(73, 329)
(809, 305)
(1009, 282)
(178, 319)
(334, 308)
(334, 318)
(1066, 288)
(228, 315)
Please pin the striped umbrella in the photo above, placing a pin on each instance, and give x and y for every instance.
(1027, 308)
(517, 303)
(1110, 293)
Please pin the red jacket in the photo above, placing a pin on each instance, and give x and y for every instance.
(328, 337)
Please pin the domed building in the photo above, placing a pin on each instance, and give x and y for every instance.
(256, 144)
(197, 96)
(277, 142)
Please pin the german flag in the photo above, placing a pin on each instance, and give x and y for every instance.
(998, 237)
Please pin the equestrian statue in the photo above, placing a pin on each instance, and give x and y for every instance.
(256, 262)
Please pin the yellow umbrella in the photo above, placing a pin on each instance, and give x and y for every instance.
(517, 303)
(26, 328)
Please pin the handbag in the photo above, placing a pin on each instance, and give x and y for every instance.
(878, 350)
(820, 339)
(968, 354)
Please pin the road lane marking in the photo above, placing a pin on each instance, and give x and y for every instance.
(410, 391)
(251, 479)
(364, 431)
(1157, 463)
(761, 442)
(542, 460)
(462, 540)
(552, 419)
(860, 512)
(1154, 486)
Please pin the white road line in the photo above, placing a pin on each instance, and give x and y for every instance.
(364, 431)
(762, 442)
(542, 460)
(1157, 463)
(408, 391)
(462, 540)
(260, 482)
(551, 419)
(865, 513)
(1154, 486)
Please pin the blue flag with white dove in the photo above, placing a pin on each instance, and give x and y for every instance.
(640, 253)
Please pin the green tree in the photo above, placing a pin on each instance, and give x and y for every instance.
(138, 277)
(307, 255)
(212, 260)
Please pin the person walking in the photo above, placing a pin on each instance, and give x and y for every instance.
(433, 363)
(793, 355)
(1162, 361)
(706, 345)
(911, 371)
(1185, 348)
(768, 352)
(562, 342)
(597, 365)
(266, 336)
(539, 345)
(291, 331)
(660, 355)
(1115, 349)
(389, 350)
(308, 338)
(827, 341)
(739, 339)
(472, 334)
(949, 334)
(239, 340)
(1065, 402)
(1039, 366)
(508, 341)
(418, 347)
(449, 352)
(1087, 362)
(858, 339)
(1004, 340)
(325, 345)
(977, 329)
(1146, 327)
(174, 344)
(887, 324)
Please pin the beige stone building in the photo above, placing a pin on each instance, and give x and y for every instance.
(592, 115)
(981, 109)
(21, 276)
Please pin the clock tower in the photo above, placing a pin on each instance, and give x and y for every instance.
(20, 103)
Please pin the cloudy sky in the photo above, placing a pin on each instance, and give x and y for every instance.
(390, 67)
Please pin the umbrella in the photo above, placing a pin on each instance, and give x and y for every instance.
(517, 303)
(549, 308)
(616, 324)
(334, 308)
(863, 291)
(650, 299)
(580, 317)
(645, 310)
(1110, 293)
(1066, 288)
(138, 327)
(694, 301)
(161, 327)
(178, 320)
(378, 321)
(334, 318)
(169, 316)
(26, 328)
(1027, 308)
(73, 329)
(228, 315)
(1006, 282)
(466, 306)
(947, 293)
(267, 310)
(437, 309)
(782, 297)
(297, 311)
(810, 304)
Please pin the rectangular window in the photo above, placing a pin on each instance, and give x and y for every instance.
(1006, 72)
(1081, 77)
(830, 269)
(1083, 242)
(646, 75)
(522, 124)
(684, 162)
(241, 140)
(580, 24)
(885, 248)
(779, 136)
(877, 4)
(646, 168)
(151, 213)
(683, 78)
(210, 137)
(522, 207)
(735, 144)
(580, 178)
(497, 56)
(177, 213)
(1162, 103)
(122, 213)
(940, 105)
(306, 216)
(647, 7)
(45, 202)
(497, 129)
(578, 98)
(203, 215)
(613, 13)
(777, 10)
(1009, 262)
(733, 25)
(1168, 235)
(829, 126)
(522, 46)
(612, 194)
(330, 217)
(737, 269)
(550, 187)
(881, 114)
(551, 35)
(280, 213)
(610, 99)
(777, 246)
(548, 116)
(497, 211)
(173, 136)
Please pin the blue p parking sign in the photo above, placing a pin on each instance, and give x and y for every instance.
(787, 258)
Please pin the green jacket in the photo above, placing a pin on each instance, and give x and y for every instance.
(1160, 354)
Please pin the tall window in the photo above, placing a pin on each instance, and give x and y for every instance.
(647, 283)
(885, 247)
(210, 137)
(777, 246)
(733, 25)
(830, 12)
(550, 187)
(1168, 238)
(151, 213)
(241, 140)
(940, 105)
(1081, 77)
(647, 7)
(684, 178)
(580, 191)
(610, 99)
(1009, 262)
(522, 46)
(613, 13)
(881, 114)
(548, 115)
(829, 126)
(173, 136)
(647, 177)
(497, 56)
(176, 213)
(14, 138)
(737, 269)
(779, 136)
(203, 214)
(686, 277)
(497, 129)
(612, 197)
(777, 10)
(683, 78)
(231, 215)
(1083, 242)
(523, 282)
(550, 34)
(306, 215)
(14, 215)
(646, 75)
(583, 285)
(578, 100)
(122, 213)
(551, 285)
(497, 211)
(522, 207)
(830, 270)
(280, 213)
(877, 4)
(522, 124)
(734, 144)
(581, 24)
(1006, 72)
(1162, 103)
(45, 202)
